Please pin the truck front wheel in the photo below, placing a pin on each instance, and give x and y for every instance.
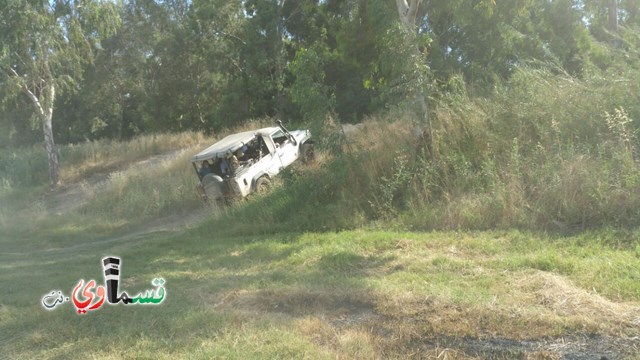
(307, 152)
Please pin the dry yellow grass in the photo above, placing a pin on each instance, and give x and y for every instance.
(555, 296)
(99, 157)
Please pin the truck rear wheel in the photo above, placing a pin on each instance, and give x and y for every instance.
(213, 187)
(263, 184)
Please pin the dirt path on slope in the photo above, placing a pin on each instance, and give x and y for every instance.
(70, 197)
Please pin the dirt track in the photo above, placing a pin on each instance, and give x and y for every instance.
(73, 196)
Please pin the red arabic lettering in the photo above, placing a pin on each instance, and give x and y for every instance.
(87, 293)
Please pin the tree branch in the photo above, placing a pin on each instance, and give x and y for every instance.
(413, 11)
(402, 7)
(223, 33)
(34, 99)
(408, 12)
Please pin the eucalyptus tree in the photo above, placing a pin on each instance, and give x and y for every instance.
(44, 45)
(411, 17)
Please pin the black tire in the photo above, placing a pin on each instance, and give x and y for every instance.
(213, 187)
(263, 184)
(308, 155)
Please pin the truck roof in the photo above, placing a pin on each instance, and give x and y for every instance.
(230, 144)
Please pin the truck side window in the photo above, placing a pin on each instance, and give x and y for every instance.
(279, 137)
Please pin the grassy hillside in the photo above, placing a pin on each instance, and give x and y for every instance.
(546, 152)
(531, 199)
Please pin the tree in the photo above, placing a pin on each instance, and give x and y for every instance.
(363, 61)
(408, 11)
(631, 9)
(266, 55)
(113, 97)
(44, 45)
(309, 90)
(613, 16)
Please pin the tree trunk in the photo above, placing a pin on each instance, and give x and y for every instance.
(52, 154)
(613, 16)
(44, 110)
(49, 144)
(279, 54)
(408, 11)
(613, 22)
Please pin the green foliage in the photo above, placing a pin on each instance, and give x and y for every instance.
(309, 91)
(387, 192)
(22, 167)
(208, 65)
(553, 142)
(46, 44)
(549, 151)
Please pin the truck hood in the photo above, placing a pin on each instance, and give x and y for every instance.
(300, 135)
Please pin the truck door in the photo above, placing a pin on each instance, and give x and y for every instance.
(270, 158)
(285, 149)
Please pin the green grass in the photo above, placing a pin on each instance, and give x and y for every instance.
(318, 295)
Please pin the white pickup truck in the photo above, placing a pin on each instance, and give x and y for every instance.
(243, 163)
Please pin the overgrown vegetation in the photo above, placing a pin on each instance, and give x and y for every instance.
(549, 151)
(154, 66)
(526, 180)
